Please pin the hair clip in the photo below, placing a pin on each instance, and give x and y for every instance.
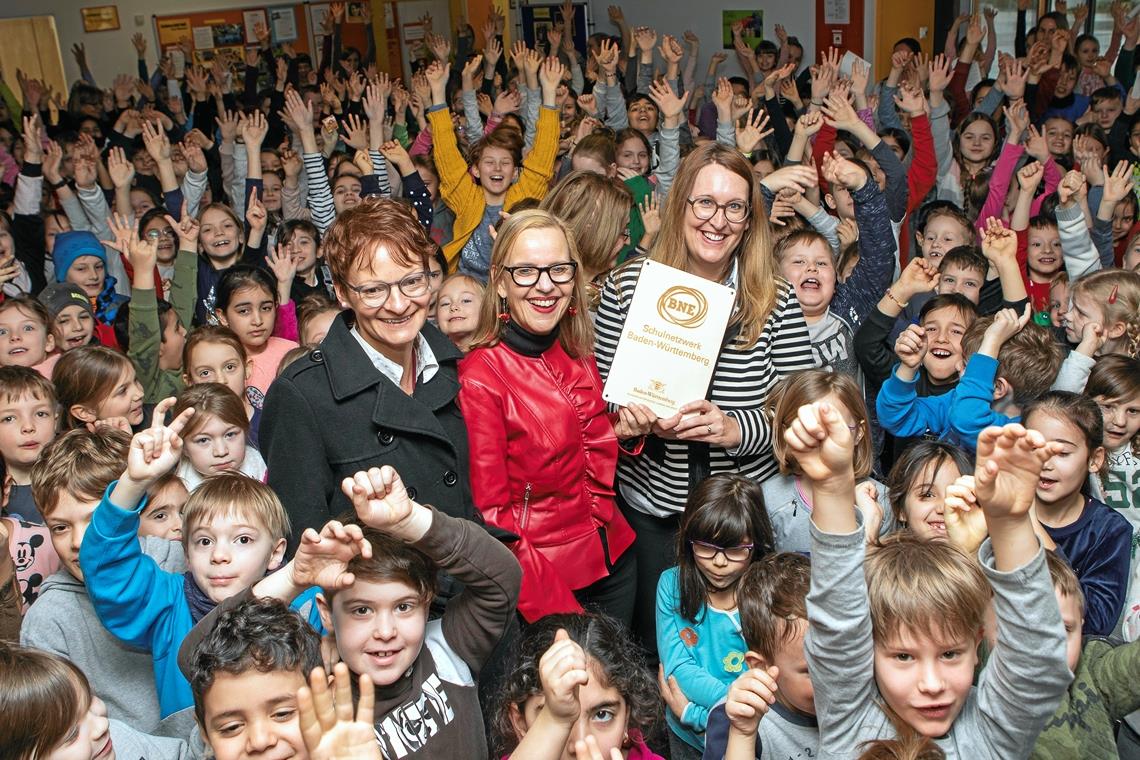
(1112, 295)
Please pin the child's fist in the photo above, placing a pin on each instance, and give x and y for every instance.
(749, 698)
(1008, 467)
(562, 671)
(965, 522)
(379, 497)
(822, 443)
(910, 346)
(1006, 324)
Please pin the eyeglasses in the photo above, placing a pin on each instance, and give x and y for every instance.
(166, 232)
(526, 275)
(704, 550)
(705, 208)
(376, 295)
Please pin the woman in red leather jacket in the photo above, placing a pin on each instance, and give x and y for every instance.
(543, 450)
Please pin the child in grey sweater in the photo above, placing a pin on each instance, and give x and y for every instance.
(893, 656)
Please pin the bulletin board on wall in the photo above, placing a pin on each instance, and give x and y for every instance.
(229, 32)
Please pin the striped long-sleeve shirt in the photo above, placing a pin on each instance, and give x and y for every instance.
(741, 382)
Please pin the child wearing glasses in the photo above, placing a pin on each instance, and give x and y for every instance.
(787, 496)
(723, 528)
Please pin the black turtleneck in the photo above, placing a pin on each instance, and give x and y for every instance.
(524, 342)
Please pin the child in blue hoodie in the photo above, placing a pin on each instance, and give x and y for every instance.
(1012, 362)
(80, 259)
(234, 530)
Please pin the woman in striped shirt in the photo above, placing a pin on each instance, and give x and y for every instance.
(715, 226)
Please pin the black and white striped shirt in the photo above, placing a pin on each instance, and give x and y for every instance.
(741, 383)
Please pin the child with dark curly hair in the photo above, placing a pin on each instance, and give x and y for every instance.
(576, 682)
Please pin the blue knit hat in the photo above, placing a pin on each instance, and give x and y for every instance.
(71, 245)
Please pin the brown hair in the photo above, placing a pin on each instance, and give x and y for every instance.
(908, 745)
(757, 281)
(311, 307)
(1029, 360)
(772, 598)
(376, 222)
(807, 387)
(503, 138)
(31, 307)
(1064, 578)
(1115, 376)
(42, 698)
(17, 382)
(85, 376)
(210, 399)
(577, 331)
(234, 496)
(392, 560)
(929, 587)
(209, 334)
(596, 209)
(598, 146)
(81, 463)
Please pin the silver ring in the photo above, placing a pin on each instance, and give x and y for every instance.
(710, 429)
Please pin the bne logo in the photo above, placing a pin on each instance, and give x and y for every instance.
(683, 307)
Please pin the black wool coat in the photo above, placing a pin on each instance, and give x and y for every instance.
(332, 413)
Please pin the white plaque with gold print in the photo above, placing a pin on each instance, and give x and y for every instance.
(671, 340)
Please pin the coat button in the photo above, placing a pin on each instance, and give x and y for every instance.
(412, 494)
(450, 478)
(385, 438)
(317, 356)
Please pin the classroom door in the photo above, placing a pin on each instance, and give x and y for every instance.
(32, 45)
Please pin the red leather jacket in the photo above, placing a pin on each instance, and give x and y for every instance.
(542, 459)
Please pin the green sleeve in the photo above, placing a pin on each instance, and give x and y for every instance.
(15, 106)
(1113, 670)
(184, 288)
(400, 132)
(145, 333)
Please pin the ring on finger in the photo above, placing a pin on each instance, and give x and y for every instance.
(710, 429)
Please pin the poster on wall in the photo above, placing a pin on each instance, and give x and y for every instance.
(203, 38)
(227, 35)
(171, 31)
(252, 21)
(753, 26)
(104, 18)
(282, 25)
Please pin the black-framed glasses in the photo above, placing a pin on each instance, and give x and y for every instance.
(705, 208)
(376, 294)
(526, 275)
(704, 550)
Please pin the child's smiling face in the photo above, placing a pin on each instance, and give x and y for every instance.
(944, 329)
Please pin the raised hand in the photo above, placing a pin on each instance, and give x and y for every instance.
(919, 276)
(809, 123)
(965, 522)
(142, 252)
(255, 212)
(911, 347)
(750, 697)
(121, 169)
(328, 728)
(1030, 176)
(1008, 468)
(822, 444)
(1035, 144)
(998, 242)
(380, 499)
(1072, 188)
(1118, 184)
(187, 229)
(838, 170)
(156, 450)
(667, 101)
(322, 558)
(562, 672)
(940, 71)
(139, 43)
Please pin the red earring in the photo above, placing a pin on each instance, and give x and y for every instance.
(504, 314)
(572, 311)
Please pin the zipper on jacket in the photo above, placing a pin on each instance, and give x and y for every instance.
(526, 505)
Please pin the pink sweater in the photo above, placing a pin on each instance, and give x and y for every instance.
(1000, 178)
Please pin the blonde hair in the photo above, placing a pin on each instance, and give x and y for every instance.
(1117, 292)
(234, 496)
(928, 587)
(807, 387)
(577, 331)
(757, 280)
(596, 208)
